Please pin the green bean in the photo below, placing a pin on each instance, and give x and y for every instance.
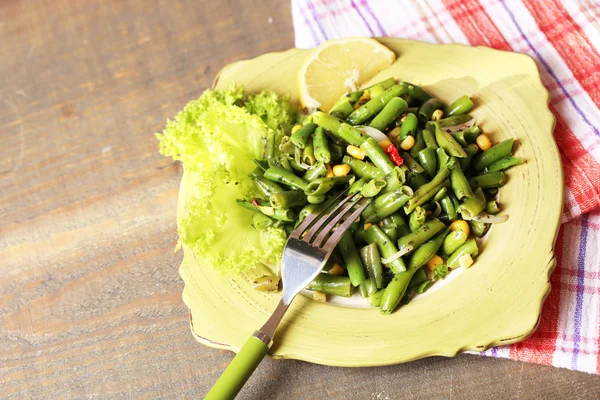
(395, 179)
(363, 169)
(383, 85)
(286, 146)
(465, 137)
(455, 201)
(419, 277)
(256, 173)
(416, 218)
(285, 215)
(375, 105)
(339, 129)
(492, 191)
(344, 105)
(267, 187)
(454, 120)
(315, 172)
(459, 184)
(316, 198)
(448, 207)
(308, 209)
(296, 166)
(358, 185)
(394, 291)
(373, 187)
(470, 247)
(275, 161)
(377, 155)
(288, 199)
(443, 158)
(337, 152)
(330, 284)
(411, 163)
(367, 288)
(416, 180)
(394, 226)
(473, 206)
(417, 92)
(429, 139)
(269, 148)
(408, 127)
(478, 229)
(493, 154)
(422, 288)
(440, 194)
(460, 106)
(372, 262)
(387, 204)
(447, 142)
(323, 185)
(489, 180)
(427, 191)
(474, 131)
(428, 160)
(308, 155)
(260, 221)
(427, 109)
(386, 247)
(491, 207)
(504, 163)
(352, 261)
(470, 150)
(453, 241)
(253, 205)
(427, 250)
(391, 111)
(415, 239)
(375, 299)
(419, 143)
(394, 136)
(280, 175)
(321, 146)
(262, 164)
(302, 136)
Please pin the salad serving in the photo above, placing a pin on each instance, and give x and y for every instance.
(260, 165)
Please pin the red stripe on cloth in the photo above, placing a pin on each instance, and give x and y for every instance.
(479, 29)
(570, 41)
(470, 17)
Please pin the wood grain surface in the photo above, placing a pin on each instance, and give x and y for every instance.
(90, 297)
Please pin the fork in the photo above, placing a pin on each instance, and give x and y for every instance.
(305, 253)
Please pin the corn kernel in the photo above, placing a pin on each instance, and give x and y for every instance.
(434, 262)
(437, 115)
(460, 224)
(355, 152)
(329, 173)
(341, 170)
(483, 142)
(407, 143)
(384, 144)
(403, 118)
(320, 296)
(367, 226)
(336, 270)
(465, 261)
(295, 128)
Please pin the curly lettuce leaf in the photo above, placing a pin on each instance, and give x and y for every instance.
(216, 137)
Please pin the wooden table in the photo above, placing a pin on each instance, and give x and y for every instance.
(90, 297)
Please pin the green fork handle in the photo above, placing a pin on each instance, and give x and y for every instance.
(241, 367)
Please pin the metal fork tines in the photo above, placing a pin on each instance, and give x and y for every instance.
(308, 249)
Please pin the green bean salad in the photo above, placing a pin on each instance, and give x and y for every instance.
(431, 172)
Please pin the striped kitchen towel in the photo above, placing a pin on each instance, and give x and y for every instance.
(564, 39)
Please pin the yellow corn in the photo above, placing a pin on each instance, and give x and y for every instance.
(336, 270)
(329, 173)
(465, 261)
(384, 144)
(483, 142)
(295, 128)
(460, 224)
(341, 170)
(355, 152)
(407, 143)
(367, 226)
(437, 115)
(320, 296)
(403, 118)
(434, 262)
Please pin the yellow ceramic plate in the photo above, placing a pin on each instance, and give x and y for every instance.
(497, 301)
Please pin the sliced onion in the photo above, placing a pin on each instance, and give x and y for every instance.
(372, 132)
(437, 211)
(490, 219)
(397, 255)
(461, 127)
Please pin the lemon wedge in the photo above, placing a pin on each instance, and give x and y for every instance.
(340, 66)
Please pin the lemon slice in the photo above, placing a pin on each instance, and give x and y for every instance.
(340, 66)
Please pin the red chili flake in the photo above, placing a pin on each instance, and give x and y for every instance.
(255, 202)
(394, 155)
